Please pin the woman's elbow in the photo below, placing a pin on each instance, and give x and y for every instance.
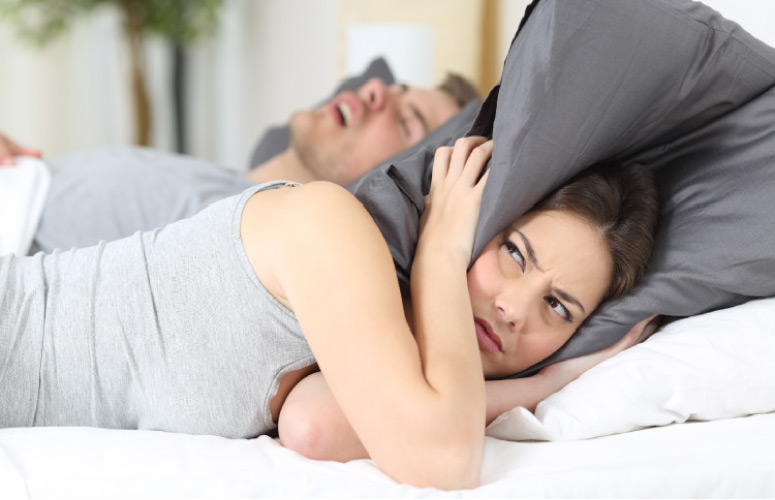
(454, 465)
(312, 424)
(301, 433)
(460, 473)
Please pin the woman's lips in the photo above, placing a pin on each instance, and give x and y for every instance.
(487, 337)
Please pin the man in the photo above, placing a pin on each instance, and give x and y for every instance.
(355, 131)
(108, 194)
(350, 134)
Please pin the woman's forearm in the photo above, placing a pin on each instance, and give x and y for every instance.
(312, 423)
(444, 327)
(503, 395)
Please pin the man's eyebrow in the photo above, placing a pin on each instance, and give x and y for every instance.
(531, 254)
(415, 110)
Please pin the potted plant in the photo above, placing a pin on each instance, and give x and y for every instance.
(180, 21)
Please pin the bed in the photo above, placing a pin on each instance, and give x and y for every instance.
(680, 415)
(732, 458)
(688, 413)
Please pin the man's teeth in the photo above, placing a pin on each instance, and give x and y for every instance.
(344, 110)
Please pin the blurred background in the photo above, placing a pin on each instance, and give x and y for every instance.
(215, 79)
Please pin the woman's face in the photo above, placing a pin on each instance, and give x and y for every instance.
(533, 285)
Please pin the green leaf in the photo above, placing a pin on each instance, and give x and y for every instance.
(181, 21)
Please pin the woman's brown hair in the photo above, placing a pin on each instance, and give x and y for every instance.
(624, 204)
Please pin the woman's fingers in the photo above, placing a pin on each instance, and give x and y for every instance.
(481, 182)
(452, 207)
(477, 161)
(440, 166)
(464, 147)
(470, 154)
(638, 333)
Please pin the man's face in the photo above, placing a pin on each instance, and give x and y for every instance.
(356, 131)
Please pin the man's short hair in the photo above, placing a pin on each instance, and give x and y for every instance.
(460, 88)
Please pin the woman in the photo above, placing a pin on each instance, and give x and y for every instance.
(206, 325)
(597, 229)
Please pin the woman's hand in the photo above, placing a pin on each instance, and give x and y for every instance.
(9, 149)
(558, 375)
(452, 206)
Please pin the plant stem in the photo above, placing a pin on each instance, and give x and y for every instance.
(134, 29)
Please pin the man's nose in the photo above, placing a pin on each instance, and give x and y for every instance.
(374, 94)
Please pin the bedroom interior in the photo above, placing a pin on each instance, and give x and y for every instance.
(688, 413)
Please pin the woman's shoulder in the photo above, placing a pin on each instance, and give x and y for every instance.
(286, 230)
(312, 204)
(327, 196)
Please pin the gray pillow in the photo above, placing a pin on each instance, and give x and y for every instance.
(393, 192)
(276, 139)
(664, 84)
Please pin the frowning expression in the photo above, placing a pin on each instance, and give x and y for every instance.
(532, 287)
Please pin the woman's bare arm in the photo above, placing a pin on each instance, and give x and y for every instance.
(312, 423)
(317, 250)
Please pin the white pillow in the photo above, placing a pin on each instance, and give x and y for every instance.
(713, 366)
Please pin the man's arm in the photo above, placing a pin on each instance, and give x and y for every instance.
(9, 149)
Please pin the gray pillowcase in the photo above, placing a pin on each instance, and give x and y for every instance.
(393, 192)
(276, 139)
(663, 84)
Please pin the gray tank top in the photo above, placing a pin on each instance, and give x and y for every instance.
(165, 330)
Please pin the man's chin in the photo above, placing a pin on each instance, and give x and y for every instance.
(300, 120)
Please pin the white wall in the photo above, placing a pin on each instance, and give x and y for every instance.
(267, 58)
(510, 13)
(756, 16)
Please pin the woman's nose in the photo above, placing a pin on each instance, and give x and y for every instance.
(511, 308)
(374, 94)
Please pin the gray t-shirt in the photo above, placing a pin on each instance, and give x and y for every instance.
(107, 194)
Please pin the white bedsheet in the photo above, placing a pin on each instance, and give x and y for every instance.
(726, 458)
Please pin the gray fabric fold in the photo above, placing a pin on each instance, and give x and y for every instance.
(654, 83)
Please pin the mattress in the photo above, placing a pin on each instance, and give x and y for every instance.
(732, 458)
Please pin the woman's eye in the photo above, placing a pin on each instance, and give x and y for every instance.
(512, 250)
(559, 308)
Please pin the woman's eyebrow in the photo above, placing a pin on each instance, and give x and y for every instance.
(531, 254)
(569, 298)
